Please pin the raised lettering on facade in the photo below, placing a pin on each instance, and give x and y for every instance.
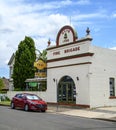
(69, 50)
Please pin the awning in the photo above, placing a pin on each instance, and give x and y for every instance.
(36, 80)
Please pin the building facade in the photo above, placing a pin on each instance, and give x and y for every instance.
(11, 66)
(79, 73)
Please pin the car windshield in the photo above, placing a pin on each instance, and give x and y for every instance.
(33, 97)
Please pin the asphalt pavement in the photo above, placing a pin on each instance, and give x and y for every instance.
(20, 120)
(101, 113)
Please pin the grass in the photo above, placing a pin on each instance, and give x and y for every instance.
(5, 103)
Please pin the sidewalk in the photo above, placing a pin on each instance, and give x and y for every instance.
(104, 113)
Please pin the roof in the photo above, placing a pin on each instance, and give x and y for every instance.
(6, 84)
(35, 79)
(11, 59)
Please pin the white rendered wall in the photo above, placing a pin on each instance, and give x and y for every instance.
(82, 88)
(103, 67)
(74, 68)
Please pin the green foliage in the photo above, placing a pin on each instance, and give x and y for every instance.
(42, 55)
(3, 97)
(7, 103)
(1, 84)
(24, 61)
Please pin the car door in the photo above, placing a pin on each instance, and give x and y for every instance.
(20, 101)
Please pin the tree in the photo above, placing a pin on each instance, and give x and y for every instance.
(24, 63)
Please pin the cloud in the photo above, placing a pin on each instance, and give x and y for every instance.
(42, 19)
(114, 48)
(6, 30)
(114, 15)
(20, 20)
(83, 2)
(90, 16)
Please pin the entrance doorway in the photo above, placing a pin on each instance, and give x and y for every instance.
(66, 90)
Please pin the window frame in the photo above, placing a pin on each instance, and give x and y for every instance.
(112, 88)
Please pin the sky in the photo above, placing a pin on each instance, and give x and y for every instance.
(42, 19)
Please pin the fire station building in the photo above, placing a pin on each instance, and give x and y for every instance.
(79, 73)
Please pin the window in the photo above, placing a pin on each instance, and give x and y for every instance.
(19, 96)
(112, 86)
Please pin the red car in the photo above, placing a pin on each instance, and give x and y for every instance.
(28, 102)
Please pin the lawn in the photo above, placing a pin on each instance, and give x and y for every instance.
(7, 103)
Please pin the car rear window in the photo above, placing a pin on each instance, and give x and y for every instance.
(19, 96)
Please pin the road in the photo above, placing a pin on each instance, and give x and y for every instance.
(20, 120)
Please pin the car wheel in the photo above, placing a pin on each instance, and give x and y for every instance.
(26, 107)
(12, 105)
(43, 110)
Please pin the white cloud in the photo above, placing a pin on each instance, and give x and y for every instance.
(89, 16)
(114, 48)
(20, 20)
(41, 21)
(114, 15)
(83, 2)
